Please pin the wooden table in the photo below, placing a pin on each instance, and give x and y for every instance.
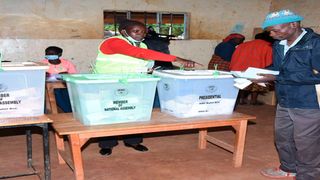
(78, 134)
(39, 121)
(51, 103)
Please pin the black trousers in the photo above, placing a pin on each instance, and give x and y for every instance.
(110, 142)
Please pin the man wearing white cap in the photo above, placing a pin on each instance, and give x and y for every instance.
(296, 55)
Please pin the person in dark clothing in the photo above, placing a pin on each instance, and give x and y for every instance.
(296, 55)
(161, 44)
(224, 50)
(155, 42)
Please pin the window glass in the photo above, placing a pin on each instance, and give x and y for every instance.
(111, 22)
(171, 25)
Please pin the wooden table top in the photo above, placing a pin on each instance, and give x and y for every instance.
(24, 120)
(64, 123)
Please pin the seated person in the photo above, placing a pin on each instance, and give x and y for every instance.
(58, 66)
(224, 50)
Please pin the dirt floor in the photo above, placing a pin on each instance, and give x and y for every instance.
(170, 156)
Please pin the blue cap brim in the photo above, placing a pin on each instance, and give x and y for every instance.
(281, 20)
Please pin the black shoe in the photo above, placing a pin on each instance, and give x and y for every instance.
(138, 147)
(105, 151)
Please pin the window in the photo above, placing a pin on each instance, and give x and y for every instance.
(172, 25)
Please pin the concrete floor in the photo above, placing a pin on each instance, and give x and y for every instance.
(170, 155)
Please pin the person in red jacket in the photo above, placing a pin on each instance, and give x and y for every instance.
(127, 53)
(256, 53)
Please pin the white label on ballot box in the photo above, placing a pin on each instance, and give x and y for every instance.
(17, 102)
(121, 104)
(104, 102)
(193, 105)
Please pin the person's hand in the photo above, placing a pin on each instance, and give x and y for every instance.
(264, 78)
(186, 63)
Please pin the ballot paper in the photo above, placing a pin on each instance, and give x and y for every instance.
(243, 77)
(54, 77)
(252, 73)
(241, 83)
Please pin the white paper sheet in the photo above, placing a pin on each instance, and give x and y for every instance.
(241, 83)
(251, 73)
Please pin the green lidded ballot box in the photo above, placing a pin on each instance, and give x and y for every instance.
(111, 98)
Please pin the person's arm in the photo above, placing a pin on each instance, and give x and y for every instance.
(69, 66)
(310, 74)
(300, 78)
(307, 76)
(48, 72)
(72, 68)
(264, 78)
(268, 57)
(119, 46)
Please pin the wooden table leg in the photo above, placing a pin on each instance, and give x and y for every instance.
(60, 147)
(52, 98)
(241, 131)
(46, 152)
(202, 139)
(48, 105)
(29, 148)
(75, 145)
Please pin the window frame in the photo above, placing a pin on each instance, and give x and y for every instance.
(159, 20)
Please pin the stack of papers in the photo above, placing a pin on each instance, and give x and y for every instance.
(241, 83)
(54, 77)
(251, 73)
(243, 77)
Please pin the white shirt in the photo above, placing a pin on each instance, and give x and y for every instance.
(284, 42)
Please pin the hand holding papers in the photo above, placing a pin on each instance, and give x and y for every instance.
(241, 83)
(252, 74)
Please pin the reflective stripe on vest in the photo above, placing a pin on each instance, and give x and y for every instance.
(119, 63)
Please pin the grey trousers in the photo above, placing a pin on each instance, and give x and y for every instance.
(297, 138)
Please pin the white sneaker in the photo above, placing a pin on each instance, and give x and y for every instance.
(276, 173)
